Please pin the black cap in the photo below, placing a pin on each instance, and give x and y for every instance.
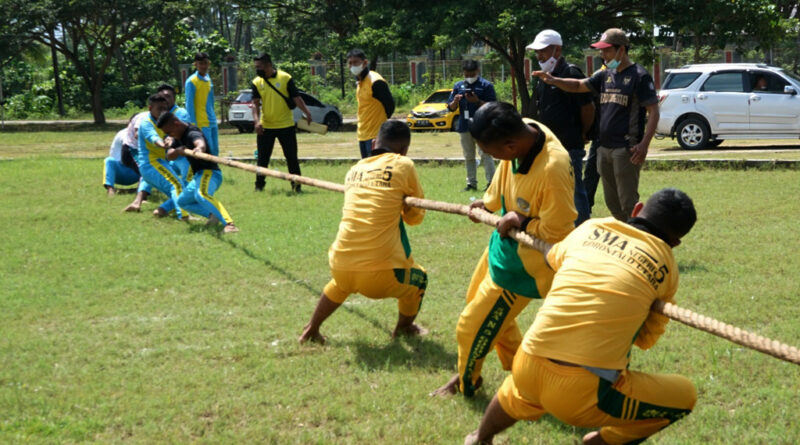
(264, 57)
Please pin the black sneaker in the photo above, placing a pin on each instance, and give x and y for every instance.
(259, 189)
(296, 188)
(470, 188)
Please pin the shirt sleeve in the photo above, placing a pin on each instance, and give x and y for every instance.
(412, 215)
(190, 92)
(491, 96)
(579, 98)
(192, 137)
(256, 94)
(491, 199)
(647, 91)
(380, 91)
(453, 93)
(115, 151)
(148, 131)
(557, 212)
(595, 83)
(292, 89)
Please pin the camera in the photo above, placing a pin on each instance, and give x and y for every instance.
(468, 91)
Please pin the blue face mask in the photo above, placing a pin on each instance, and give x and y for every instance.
(613, 63)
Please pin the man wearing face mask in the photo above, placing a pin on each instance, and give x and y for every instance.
(627, 97)
(274, 97)
(375, 101)
(569, 116)
(468, 95)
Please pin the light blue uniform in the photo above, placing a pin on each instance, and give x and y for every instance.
(198, 196)
(181, 164)
(200, 106)
(154, 166)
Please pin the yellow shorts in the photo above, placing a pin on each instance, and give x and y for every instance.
(633, 408)
(406, 285)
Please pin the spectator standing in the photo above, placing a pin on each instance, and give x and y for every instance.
(568, 115)
(467, 96)
(274, 97)
(375, 102)
(199, 91)
(627, 97)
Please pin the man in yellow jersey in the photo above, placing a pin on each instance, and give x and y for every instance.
(371, 254)
(573, 362)
(375, 101)
(274, 97)
(532, 188)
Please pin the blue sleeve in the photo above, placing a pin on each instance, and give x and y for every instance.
(453, 93)
(190, 92)
(148, 132)
(182, 114)
(491, 96)
(212, 116)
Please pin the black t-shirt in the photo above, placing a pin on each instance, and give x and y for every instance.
(623, 96)
(561, 111)
(192, 134)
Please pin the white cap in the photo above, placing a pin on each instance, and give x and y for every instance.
(544, 39)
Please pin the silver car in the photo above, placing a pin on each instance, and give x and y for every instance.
(240, 114)
(703, 105)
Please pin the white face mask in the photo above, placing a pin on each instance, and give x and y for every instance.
(356, 70)
(471, 79)
(548, 65)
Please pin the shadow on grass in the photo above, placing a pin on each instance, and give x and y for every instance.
(216, 232)
(403, 352)
(691, 266)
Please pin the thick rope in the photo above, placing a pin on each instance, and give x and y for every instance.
(685, 316)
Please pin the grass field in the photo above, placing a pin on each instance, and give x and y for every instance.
(118, 327)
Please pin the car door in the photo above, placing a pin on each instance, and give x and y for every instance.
(723, 101)
(771, 110)
(314, 106)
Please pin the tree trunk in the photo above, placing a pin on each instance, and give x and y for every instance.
(56, 76)
(173, 57)
(248, 33)
(97, 102)
(237, 35)
(123, 67)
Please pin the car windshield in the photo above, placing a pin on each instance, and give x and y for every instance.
(244, 96)
(679, 80)
(439, 97)
(794, 76)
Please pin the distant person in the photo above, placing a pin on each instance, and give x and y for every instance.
(573, 362)
(761, 84)
(199, 91)
(152, 159)
(371, 254)
(467, 96)
(627, 100)
(375, 101)
(274, 96)
(119, 168)
(198, 195)
(532, 190)
(181, 164)
(568, 115)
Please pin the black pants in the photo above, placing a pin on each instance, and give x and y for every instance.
(590, 175)
(266, 142)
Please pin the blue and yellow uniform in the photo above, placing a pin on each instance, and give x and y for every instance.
(181, 164)
(508, 275)
(371, 254)
(200, 107)
(573, 361)
(198, 196)
(155, 167)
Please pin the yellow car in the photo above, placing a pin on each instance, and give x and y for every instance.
(432, 113)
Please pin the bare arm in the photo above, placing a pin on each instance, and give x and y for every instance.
(302, 106)
(257, 115)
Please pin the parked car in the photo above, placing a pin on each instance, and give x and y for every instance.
(240, 114)
(703, 105)
(432, 113)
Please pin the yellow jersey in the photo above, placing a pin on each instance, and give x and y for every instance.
(371, 113)
(371, 233)
(607, 275)
(540, 187)
(275, 114)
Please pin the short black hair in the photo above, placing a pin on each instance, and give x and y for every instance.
(264, 57)
(156, 98)
(496, 121)
(164, 119)
(469, 65)
(672, 211)
(201, 56)
(356, 52)
(166, 86)
(394, 130)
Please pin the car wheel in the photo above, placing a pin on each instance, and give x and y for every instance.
(693, 134)
(332, 121)
(241, 129)
(714, 143)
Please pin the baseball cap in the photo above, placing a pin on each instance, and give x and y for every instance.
(544, 39)
(611, 37)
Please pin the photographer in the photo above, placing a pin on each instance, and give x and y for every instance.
(468, 95)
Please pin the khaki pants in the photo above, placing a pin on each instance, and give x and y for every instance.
(620, 180)
(468, 149)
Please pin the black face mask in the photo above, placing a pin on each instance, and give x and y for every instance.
(261, 73)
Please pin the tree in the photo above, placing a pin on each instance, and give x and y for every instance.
(87, 33)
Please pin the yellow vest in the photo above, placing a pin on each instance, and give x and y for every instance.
(155, 152)
(371, 113)
(274, 111)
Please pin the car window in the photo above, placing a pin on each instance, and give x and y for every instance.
(730, 82)
(244, 96)
(679, 80)
(767, 82)
(439, 97)
(311, 101)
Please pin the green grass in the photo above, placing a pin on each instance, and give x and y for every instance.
(119, 327)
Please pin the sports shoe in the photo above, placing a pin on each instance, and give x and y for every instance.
(470, 188)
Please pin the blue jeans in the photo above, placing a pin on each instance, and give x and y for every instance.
(366, 148)
(581, 200)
